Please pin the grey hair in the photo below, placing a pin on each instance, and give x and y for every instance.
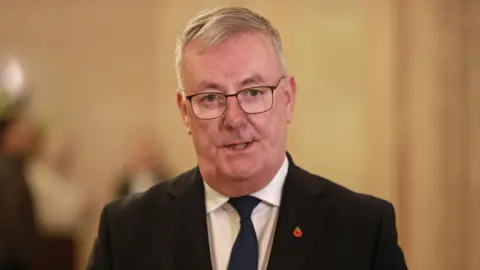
(214, 26)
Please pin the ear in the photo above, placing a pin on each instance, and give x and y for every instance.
(182, 107)
(290, 94)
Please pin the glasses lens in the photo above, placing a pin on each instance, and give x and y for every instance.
(208, 105)
(256, 100)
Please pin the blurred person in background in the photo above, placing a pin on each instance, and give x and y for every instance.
(18, 231)
(61, 203)
(144, 168)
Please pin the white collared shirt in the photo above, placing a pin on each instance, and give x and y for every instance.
(224, 222)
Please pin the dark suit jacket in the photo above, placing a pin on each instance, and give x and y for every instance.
(166, 228)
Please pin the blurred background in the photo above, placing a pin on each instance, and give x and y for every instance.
(388, 104)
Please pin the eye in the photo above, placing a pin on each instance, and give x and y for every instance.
(209, 98)
(253, 92)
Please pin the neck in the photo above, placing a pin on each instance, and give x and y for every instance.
(237, 187)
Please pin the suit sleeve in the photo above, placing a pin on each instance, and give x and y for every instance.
(100, 257)
(388, 254)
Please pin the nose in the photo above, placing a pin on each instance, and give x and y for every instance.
(234, 116)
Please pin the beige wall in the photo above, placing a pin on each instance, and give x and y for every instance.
(388, 99)
(473, 195)
(437, 112)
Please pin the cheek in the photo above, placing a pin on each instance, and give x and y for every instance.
(270, 127)
(264, 127)
(205, 134)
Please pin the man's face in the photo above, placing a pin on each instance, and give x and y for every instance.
(243, 61)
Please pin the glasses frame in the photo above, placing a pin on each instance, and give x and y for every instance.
(272, 88)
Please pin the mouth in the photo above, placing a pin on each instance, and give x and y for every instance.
(239, 146)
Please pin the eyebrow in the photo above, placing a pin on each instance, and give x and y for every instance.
(208, 85)
(255, 79)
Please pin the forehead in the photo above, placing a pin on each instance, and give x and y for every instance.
(236, 60)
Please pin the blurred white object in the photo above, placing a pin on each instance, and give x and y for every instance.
(58, 200)
(142, 181)
(12, 79)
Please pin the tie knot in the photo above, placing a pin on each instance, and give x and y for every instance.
(244, 205)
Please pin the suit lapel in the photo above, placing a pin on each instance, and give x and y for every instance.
(302, 207)
(192, 249)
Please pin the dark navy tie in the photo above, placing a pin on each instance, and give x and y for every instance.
(244, 254)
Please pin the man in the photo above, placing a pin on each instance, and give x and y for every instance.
(247, 205)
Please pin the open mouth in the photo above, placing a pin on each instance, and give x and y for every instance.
(239, 146)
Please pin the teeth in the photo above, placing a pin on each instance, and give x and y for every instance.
(239, 146)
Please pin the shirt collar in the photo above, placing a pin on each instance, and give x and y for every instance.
(271, 194)
(213, 199)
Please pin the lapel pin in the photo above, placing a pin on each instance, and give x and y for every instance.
(297, 232)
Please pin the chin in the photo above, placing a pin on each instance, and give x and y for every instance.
(241, 169)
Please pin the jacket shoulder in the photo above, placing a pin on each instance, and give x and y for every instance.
(159, 196)
(346, 201)
(348, 197)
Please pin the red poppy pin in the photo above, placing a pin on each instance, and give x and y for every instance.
(297, 232)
